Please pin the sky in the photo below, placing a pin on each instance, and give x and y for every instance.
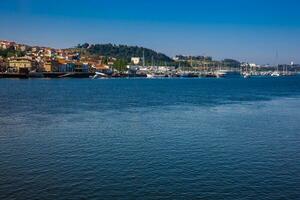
(246, 30)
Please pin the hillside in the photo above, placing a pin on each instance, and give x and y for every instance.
(123, 52)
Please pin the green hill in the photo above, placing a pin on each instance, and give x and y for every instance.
(123, 52)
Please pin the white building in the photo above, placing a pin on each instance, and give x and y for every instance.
(136, 60)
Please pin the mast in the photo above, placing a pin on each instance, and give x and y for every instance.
(152, 61)
(143, 58)
(277, 61)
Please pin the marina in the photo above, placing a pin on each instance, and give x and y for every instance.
(96, 75)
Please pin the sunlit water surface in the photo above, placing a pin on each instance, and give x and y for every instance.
(228, 138)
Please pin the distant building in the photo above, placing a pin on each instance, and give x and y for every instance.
(136, 60)
(48, 53)
(34, 49)
(22, 47)
(6, 44)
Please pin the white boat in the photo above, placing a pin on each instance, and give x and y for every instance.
(246, 75)
(99, 75)
(221, 73)
(275, 74)
(150, 75)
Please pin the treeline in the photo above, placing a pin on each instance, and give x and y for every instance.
(231, 63)
(11, 52)
(124, 52)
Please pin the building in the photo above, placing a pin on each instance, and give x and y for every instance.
(98, 67)
(6, 44)
(2, 65)
(22, 47)
(20, 64)
(81, 67)
(55, 66)
(47, 66)
(136, 60)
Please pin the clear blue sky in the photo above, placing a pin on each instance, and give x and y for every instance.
(247, 30)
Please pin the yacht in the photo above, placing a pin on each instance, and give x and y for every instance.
(99, 75)
(221, 73)
(150, 75)
(275, 74)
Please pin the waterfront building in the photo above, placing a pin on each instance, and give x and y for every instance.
(59, 65)
(70, 67)
(21, 64)
(81, 67)
(47, 66)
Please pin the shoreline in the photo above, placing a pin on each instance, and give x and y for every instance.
(90, 75)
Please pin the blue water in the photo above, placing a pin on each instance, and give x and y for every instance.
(228, 138)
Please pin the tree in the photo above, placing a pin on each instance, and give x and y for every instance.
(120, 65)
(231, 63)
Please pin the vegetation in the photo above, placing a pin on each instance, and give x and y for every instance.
(120, 65)
(123, 52)
(10, 52)
(231, 63)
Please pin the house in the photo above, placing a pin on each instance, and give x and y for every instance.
(4, 44)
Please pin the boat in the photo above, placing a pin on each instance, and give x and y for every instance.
(99, 75)
(220, 73)
(210, 75)
(275, 74)
(246, 75)
(150, 75)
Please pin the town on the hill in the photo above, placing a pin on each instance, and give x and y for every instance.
(103, 61)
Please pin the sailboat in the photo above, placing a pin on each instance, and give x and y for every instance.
(276, 73)
(246, 74)
(220, 73)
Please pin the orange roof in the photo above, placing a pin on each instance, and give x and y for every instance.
(61, 61)
(101, 66)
